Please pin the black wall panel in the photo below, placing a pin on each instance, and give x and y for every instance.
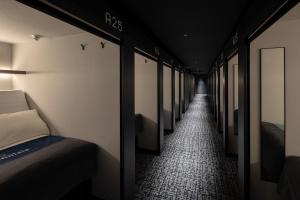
(127, 121)
(258, 17)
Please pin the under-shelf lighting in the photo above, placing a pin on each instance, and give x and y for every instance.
(5, 76)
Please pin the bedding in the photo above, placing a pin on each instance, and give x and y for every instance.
(33, 164)
(12, 101)
(26, 148)
(20, 127)
(49, 170)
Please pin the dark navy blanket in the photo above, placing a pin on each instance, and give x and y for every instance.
(26, 148)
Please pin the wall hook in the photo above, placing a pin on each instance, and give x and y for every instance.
(102, 45)
(36, 37)
(83, 46)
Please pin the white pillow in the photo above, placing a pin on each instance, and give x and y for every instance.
(12, 101)
(19, 127)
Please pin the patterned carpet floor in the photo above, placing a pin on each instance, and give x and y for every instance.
(193, 165)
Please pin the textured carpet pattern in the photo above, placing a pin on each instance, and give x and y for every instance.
(192, 165)
(201, 89)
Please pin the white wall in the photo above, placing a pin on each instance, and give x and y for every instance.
(272, 85)
(236, 86)
(214, 91)
(281, 34)
(5, 63)
(146, 101)
(177, 87)
(217, 95)
(221, 96)
(78, 93)
(167, 76)
(5, 55)
(232, 139)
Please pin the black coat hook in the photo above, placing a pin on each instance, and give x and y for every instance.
(102, 44)
(83, 46)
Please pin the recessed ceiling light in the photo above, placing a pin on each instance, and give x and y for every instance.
(186, 35)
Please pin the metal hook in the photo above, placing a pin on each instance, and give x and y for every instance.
(102, 44)
(83, 46)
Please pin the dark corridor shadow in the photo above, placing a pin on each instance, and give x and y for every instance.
(143, 160)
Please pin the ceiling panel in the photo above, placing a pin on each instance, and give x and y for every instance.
(18, 22)
(195, 31)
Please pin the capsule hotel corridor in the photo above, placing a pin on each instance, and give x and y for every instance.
(192, 165)
(149, 100)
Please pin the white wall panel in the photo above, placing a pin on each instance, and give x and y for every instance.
(182, 92)
(167, 76)
(5, 63)
(281, 34)
(221, 97)
(146, 101)
(177, 100)
(232, 139)
(78, 94)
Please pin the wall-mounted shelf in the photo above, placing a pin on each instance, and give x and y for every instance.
(6, 71)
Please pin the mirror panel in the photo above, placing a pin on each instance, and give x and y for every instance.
(236, 97)
(221, 98)
(272, 126)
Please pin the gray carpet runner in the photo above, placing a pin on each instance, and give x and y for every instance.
(193, 164)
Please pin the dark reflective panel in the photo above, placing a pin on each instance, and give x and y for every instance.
(236, 97)
(272, 113)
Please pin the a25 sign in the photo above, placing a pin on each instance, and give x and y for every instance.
(114, 22)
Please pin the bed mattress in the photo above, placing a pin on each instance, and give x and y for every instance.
(45, 171)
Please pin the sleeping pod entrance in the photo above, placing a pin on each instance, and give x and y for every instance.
(66, 80)
(274, 115)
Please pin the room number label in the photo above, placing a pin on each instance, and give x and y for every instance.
(113, 21)
(235, 38)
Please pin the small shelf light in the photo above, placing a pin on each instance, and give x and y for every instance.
(5, 76)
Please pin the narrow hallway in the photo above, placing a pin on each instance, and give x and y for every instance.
(193, 164)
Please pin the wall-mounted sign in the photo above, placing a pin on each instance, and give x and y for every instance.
(220, 59)
(156, 50)
(114, 22)
(235, 38)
